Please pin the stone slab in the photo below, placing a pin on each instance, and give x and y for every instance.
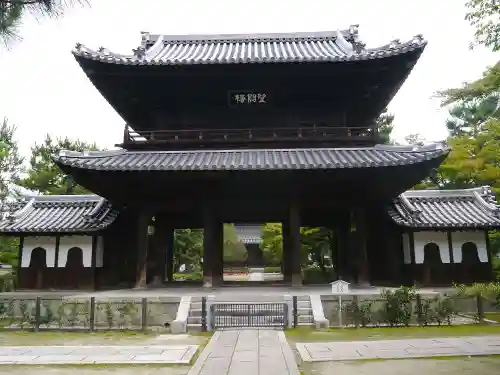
(46, 355)
(392, 349)
(246, 355)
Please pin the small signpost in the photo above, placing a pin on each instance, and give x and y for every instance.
(339, 288)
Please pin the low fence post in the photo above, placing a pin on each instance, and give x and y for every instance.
(38, 303)
(144, 314)
(92, 314)
(295, 312)
(203, 314)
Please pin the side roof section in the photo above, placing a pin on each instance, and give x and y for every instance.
(438, 209)
(57, 214)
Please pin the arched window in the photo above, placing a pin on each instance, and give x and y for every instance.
(431, 254)
(38, 258)
(432, 260)
(469, 253)
(75, 258)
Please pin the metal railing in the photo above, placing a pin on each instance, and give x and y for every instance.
(249, 315)
(246, 135)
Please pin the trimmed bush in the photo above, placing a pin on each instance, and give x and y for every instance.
(314, 275)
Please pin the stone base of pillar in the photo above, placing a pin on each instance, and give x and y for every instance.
(207, 281)
(140, 287)
(156, 281)
(296, 279)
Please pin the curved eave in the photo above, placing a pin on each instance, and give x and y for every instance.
(417, 46)
(248, 160)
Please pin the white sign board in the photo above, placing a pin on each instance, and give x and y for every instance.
(340, 287)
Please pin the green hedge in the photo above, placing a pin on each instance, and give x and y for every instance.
(188, 276)
(7, 282)
(314, 275)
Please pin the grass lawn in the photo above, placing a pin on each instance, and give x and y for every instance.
(493, 316)
(21, 338)
(353, 334)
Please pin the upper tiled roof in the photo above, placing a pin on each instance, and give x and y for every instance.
(275, 159)
(59, 213)
(249, 234)
(469, 208)
(258, 48)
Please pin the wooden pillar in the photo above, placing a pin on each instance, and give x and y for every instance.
(343, 230)
(20, 281)
(452, 271)
(413, 276)
(212, 248)
(218, 266)
(294, 238)
(363, 267)
(162, 248)
(142, 249)
(93, 263)
(491, 276)
(168, 269)
(286, 255)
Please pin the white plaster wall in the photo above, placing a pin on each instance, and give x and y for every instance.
(425, 237)
(99, 252)
(477, 237)
(83, 242)
(47, 243)
(406, 248)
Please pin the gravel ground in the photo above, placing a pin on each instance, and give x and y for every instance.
(93, 370)
(462, 366)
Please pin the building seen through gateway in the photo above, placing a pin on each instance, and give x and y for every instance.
(252, 129)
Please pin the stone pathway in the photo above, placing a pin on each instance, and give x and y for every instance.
(247, 352)
(130, 355)
(393, 349)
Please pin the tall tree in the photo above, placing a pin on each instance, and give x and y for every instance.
(10, 167)
(10, 160)
(12, 13)
(467, 118)
(385, 126)
(44, 176)
(484, 16)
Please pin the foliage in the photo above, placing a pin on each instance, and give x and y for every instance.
(484, 16)
(44, 176)
(188, 248)
(10, 160)
(234, 249)
(487, 291)
(12, 13)
(397, 307)
(272, 243)
(467, 118)
(188, 276)
(385, 126)
(361, 313)
(10, 256)
(316, 275)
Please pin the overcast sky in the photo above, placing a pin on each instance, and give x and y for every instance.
(43, 90)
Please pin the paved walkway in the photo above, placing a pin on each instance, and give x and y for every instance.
(47, 355)
(248, 352)
(390, 349)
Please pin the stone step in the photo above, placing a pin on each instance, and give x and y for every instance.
(303, 304)
(194, 312)
(193, 327)
(305, 324)
(304, 311)
(194, 320)
(305, 319)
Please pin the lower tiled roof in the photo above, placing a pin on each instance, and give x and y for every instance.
(469, 208)
(249, 234)
(59, 213)
(257, 159)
